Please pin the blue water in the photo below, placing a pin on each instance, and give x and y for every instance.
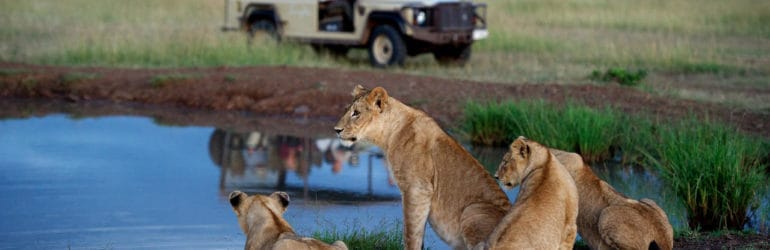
(125, 182)
(129, 183)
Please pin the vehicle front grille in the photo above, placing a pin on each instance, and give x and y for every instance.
(454, 16)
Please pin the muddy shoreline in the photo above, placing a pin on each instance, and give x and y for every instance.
(306, 93)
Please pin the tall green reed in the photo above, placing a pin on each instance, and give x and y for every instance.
(713, 169)
(575, 128)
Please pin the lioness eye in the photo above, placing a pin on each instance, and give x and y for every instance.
(355, 113)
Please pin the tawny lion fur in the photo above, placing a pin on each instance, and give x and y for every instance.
(261, 218)
(545, 212)
(439, 180)
(609, 220)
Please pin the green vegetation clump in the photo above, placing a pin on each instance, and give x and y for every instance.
(160, 81)
(389, 237)
(713, 169)
(11, 71)
(75, 77)
(620, 75)
(573, 128)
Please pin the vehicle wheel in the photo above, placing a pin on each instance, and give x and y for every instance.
(453, 55)
(386, 47)
(262, 30)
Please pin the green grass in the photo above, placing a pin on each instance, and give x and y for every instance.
(691, 235)
(572, 127)
(389, 236)
(714, 170)
(11, 71)
(160, 81)
(69, 78)
(620, 75)
(530, 40)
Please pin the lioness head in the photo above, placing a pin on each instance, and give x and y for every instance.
(252, 210)
(523, 155)
(366, 108)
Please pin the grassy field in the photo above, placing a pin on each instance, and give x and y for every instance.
(530, 40)
(716, 51)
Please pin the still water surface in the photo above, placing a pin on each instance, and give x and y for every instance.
(126, 182)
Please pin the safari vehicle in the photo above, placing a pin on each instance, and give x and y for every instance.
(391, 30)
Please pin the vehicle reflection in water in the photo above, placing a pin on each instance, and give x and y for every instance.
(259, 162)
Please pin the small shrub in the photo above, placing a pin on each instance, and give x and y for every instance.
(620, 75)
(11, 71)
(230, 78)
(713, 169)
(75, 77)
(29, 83)
(160, 81)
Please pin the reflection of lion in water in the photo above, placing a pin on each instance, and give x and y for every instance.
(609, 220)
(261, 218)
(439, 180)
(545, 212)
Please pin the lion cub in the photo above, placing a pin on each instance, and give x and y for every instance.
(545, 212)
(440, 182)
(261, 218)
(609, 220)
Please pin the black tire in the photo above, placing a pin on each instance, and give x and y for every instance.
(453, 55)
(263, 29)
(386, 47)
(216, 146)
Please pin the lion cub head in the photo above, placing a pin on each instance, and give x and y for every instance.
(523, 156)
(257, 209)
(362, 114)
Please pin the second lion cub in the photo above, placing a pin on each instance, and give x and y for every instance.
(608, 219)
(545, 212)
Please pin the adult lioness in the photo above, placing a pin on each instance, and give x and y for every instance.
(439, 180)
(609, 220)
(545, 212)
(261, 218)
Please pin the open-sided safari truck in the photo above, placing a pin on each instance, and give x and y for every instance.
(391, 30)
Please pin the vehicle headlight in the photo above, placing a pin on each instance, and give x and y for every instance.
(420, 17)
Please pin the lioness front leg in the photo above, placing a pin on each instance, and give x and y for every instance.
(416, 203)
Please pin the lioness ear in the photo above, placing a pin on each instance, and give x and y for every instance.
(520, 145)
(236, 197)
(282, 198)
(358, 90)
(378, 97)
(526, 151)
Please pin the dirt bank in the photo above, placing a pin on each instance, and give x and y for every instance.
(323, 93)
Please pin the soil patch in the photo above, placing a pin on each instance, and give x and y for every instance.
(324, 93)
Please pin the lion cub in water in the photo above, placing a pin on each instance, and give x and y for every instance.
(261, 218)
(609, 220)
(545, 212)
